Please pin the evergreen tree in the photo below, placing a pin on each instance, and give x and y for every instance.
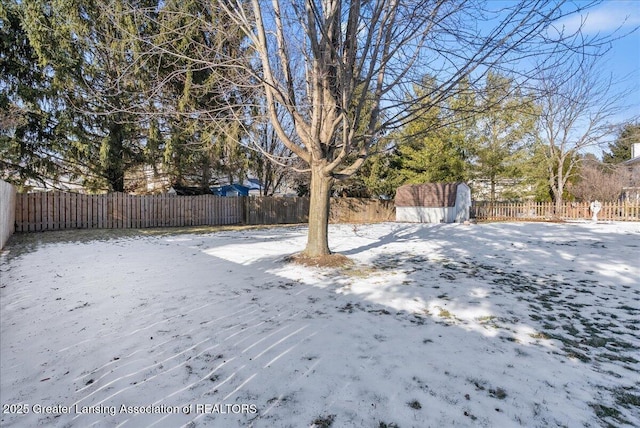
(97, 85)
(28, 140)
(197, 102)
(505, 125)
(620, 149)
(538, 176)
(437, 145)
(121, 106)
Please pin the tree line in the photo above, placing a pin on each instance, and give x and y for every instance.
(346, 97)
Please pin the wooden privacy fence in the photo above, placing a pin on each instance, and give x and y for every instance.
(276, 210)
(356, 210)
(61, 210)
(611, 211)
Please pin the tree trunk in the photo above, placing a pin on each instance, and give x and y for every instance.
(320, 193)
(492, 193)
(559, 199)
(111, 155)
(559, 189)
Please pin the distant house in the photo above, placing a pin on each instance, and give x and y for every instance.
(146, 179)
(504, 189)
(230, 190)
(631, 193)
(433, 203)
(254, 185)
(62, 183)
(250, 187)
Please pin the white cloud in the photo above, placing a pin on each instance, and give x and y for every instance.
(606, 18)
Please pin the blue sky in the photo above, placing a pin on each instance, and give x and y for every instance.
(617, 17)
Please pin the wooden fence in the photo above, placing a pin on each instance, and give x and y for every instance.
(356, 210)
(61, 210)
(527, 211)
(276, 210)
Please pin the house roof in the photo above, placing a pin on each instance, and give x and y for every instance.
(632, 162)
(230, 188)
(427, 195)
(253, 184)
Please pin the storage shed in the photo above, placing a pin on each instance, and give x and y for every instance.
(433, 203)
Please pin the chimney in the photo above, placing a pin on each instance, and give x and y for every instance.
(635, 150)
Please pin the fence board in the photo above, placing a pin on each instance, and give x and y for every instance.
(35, 213)
(153, 214)
(166, 211)
(73, 210)
(174, 212)
(28, 209)
(118, 211)
(127, 211)
(134, 209)
(99, 212)
(18, 221)
(153, 211)
(206, 209)
(25, 213)
(145, 212)
(91, 212)
(108, 211)
(84, 211)
(48, 215)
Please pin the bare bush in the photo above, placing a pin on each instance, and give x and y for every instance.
(600, 181)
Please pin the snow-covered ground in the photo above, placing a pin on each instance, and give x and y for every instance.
(495, 325)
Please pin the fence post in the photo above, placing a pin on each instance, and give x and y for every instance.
(245, 210)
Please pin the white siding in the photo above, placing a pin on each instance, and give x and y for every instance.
(457, 214)
(424, 215)
(463, 203)
(7, 211)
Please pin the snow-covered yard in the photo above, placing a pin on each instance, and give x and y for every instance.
(503, 324)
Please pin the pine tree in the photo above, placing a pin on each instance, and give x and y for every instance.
(436, 147)
(620, 149)
(196, 103)
(95, 83)
(28, 140)
(505, 125)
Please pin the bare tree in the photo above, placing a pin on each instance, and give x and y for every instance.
(334, 76)
(577, 104)
(600, 181)
(333, 65)
(271, 160)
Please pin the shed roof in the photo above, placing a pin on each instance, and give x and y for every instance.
(632, 162)
(427, 195)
